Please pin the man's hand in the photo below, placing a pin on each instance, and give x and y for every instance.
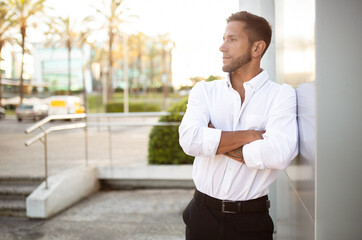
(210, 125)
(255, 135)
(236, 154)
(230, 138)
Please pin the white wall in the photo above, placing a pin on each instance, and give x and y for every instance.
(295, 65)
(339, 119)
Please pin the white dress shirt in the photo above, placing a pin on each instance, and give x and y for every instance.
(268, 106)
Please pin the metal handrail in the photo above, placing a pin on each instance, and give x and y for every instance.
(54, 117)
(43, 135)
(130, 114)
(131, 124)
(53, 129)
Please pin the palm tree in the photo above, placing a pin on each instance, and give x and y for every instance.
(83, 39)
(132, 55)
(64, 31)
(140, 46)
(165, 50)
(23, 11)
(6, 23)
(152, 52)
(99, 59)
(113, 15)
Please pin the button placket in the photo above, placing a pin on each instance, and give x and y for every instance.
(228, 178)
(249, 92)
(237, 108)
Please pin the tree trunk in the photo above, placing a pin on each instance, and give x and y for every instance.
(125, 74)
(164, 78)
(110, 66)
(21, 86)
(69, 69)
(151, 75)
(132, 78)
(139, 65)
(1, 46)
(85, 99)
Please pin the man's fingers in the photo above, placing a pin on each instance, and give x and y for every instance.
(258, 135)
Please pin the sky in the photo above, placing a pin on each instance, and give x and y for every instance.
(196, 27)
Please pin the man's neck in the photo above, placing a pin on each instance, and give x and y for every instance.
(242, 75)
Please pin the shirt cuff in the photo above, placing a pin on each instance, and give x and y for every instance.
(252, 156)
(211, 137)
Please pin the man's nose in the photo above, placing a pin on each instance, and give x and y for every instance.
(222, 47)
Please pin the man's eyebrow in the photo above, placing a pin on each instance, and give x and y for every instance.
(231, 36)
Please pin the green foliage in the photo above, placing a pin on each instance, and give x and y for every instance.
(133, 107)
(93, 100)
(212, 78)
(163, 147)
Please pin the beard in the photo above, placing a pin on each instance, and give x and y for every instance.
(238, 62)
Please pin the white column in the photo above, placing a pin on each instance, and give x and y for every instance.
(265, 9)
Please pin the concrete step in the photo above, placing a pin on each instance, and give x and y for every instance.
(145, 176)
(129, 184)
(13, 193)
(12, 208)
(16, 190)
(20, 180)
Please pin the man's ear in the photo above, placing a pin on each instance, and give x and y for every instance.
(258, 48)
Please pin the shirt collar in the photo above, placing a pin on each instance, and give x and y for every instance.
(255, 83)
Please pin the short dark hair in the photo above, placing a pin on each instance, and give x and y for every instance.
(257, 28)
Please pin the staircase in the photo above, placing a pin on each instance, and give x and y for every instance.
(13, 193)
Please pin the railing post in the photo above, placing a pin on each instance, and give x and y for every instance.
(86, 141)
(45, 158)
(110, 143)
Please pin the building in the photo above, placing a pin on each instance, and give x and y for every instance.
(51, 67)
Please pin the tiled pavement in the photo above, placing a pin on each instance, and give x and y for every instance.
(124, 215)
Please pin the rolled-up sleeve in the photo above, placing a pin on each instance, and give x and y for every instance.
(196, 138)
(280, 144)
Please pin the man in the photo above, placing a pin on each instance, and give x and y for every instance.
(241, 130)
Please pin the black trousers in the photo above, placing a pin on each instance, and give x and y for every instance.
(204, 223)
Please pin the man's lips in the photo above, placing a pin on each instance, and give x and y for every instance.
(225, 58)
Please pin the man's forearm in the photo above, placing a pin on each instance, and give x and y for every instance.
(231, 141)
(236, 154)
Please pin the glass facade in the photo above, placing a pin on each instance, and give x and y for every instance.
(55, 73)
(295, 65)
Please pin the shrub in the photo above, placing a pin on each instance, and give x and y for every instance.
(163, 147)
(133, 107)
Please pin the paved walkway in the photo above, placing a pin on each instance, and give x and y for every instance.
(129, 146)
(123, 215)
(129, 215)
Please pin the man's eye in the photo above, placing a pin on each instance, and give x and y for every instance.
(233, 39)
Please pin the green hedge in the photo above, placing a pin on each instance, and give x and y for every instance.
(133, 107)
(163, 147)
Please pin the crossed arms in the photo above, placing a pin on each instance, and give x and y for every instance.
(272, 149)
(232, 142)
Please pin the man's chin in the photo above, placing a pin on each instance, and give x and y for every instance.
(226, 68)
